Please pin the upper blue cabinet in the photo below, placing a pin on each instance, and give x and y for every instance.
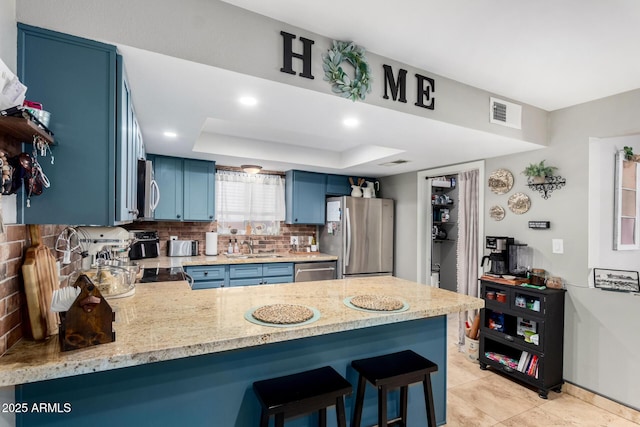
(304, 197)
(83, 84)
(187, 189)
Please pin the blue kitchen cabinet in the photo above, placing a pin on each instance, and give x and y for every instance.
(217, 276)
(199, 190)
(339, 185)
(77, 81)
(128, 138)
(305, 197)
(167, 172)
(187, 188)
(208, 276)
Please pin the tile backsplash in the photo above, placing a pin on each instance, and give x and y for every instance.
(197, 230)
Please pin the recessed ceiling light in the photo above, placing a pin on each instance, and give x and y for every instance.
(351, 122)
(249, 101)
(170, 134)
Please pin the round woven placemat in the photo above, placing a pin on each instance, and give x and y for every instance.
(377, 302)
(283, 314)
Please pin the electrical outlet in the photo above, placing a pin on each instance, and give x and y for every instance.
(173, 237)
(294, 240)
(557, 246)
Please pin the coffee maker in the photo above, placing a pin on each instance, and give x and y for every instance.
(499, 256)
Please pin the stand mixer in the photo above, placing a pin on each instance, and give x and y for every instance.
(103, 243)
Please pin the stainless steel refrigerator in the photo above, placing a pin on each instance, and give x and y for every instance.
(360, 232)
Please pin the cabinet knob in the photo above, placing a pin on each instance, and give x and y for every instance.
(206, 273)
(178, 216)
(210, 216)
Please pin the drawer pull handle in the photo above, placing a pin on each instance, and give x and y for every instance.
(507, 369)
(508, 338)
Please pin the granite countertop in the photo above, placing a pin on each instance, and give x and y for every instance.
(167, 320)
(165, 261)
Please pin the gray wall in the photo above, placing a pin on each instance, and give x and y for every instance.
(215, 33)
(404, 190)
(601, 344)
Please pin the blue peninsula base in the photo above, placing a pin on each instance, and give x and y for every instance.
(216, 389)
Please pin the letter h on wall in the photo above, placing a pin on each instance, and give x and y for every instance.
(288, 55)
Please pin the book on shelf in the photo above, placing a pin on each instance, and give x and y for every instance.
(531, 370)
(523, 361)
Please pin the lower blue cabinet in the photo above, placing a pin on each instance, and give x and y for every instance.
(218, 276)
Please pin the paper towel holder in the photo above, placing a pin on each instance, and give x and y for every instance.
(211, 243)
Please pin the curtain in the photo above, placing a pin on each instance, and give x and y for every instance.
(467, 242)
(254, 199)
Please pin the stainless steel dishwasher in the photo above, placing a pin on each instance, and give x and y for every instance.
(309, 271)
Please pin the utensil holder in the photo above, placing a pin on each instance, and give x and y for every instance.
(89, 320)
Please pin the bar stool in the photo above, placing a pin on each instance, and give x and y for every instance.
(392, 371)
(303, 393)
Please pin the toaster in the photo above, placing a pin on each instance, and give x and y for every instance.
(182, 248)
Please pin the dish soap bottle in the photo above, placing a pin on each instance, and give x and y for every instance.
(230, 248)
(236, 248)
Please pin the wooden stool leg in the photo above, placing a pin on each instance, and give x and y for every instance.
(357, 409)
(428, 400)
(280, 420)
(264, 419)
(340, 412)
(403, 404)
(382, 406)
(322, 417)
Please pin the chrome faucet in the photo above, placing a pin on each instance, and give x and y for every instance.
(249, 245)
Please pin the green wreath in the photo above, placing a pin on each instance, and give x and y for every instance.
(341, 84)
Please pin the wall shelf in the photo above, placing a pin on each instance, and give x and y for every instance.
(550, 184)
(22, 129)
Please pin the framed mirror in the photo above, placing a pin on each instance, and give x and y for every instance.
(626, 235)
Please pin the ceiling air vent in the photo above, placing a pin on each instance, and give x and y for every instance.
(394, 163)
(505, 113)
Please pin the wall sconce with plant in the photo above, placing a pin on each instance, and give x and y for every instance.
(541, 178)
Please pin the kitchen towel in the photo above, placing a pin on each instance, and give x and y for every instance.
(211, 244)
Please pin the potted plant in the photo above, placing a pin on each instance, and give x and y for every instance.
(538, 172)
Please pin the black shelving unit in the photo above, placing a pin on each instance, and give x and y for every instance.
(499, 322)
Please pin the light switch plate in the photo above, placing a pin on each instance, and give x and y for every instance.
(557, 246)
(294, 240)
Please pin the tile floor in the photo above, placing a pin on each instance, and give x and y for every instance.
(479, 398)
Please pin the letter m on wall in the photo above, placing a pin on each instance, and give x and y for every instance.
(397, 87)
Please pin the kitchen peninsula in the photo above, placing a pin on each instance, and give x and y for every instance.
(185, 356)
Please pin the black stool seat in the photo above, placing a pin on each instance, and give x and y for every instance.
(391, 371)
(303, 393)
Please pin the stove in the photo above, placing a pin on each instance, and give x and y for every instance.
(165, 274)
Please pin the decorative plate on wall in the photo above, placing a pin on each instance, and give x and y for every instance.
(500, 181)
(519, 203)
(496, 213)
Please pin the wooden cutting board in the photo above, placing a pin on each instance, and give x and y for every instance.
(40, 276)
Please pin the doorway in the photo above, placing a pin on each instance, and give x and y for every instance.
(427, 250)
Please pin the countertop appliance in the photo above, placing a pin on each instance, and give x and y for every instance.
(310, 271)
(148, 190)
(182, 248)
(499, 256)
(103, 242)
(146, 244)
(359, 231)
(162, 274)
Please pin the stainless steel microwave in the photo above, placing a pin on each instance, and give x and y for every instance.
(148, 190)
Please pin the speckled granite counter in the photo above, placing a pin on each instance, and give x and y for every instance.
(165, 261)
(165, 321)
